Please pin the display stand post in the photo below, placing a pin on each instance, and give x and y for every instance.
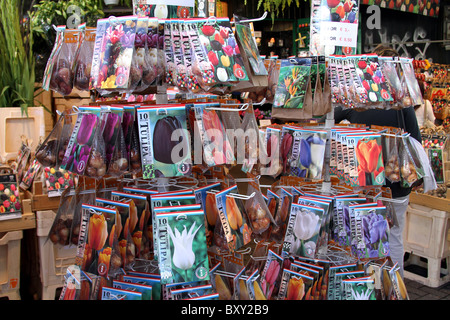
(329, 123)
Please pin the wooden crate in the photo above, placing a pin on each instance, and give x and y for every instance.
(40, 201)
(426, 200)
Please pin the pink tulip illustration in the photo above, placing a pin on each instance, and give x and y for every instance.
(268, 283)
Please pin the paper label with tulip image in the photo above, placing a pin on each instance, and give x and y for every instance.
(232, 218)
(303, 229)
(165, 141)
(97, 242)
(182, 251)
(294, 285)
(367, 154)
(165, 201)
(10, 204)
(78, 150)
(372, 233)
(139, 215)
(271, 275)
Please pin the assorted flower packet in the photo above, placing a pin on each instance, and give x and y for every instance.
(97, 241)
(294, 285)
(113, 53)
(10, 205)
(202, 68)
(303, 230)
(293, 81)
(372, 78)
(33, 171)
(145, 290)
(244, 34)
(222, 50)
(165, 141)
(371, 232)
(182, 255)
(80, 142)
(232, 219)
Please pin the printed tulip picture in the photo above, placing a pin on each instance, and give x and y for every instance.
(113, 53)
(222, 50)
(369, 161)
(10, 203)
(372, 235)
(182, 246)
(80, 143)
(303, 231)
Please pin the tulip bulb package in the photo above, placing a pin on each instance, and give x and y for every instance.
(10, 204)
(96, 251)
(271, 274)
(217, 149)
(233, 219)
(303, 230)
(294, 285)
(371, 237)
(182, 247)
(165, 141)
(79, 147)
(359, 289)
(139, 215)
(342, 218)
(365, 158)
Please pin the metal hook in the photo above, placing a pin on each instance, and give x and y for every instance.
(252, 20)
(243, 107)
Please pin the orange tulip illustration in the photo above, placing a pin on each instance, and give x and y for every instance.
(133, 217)
(368, 153)
(104, 259)
(97, 231)
(87, 256)
(296, 289)
(123, 248)
(211, 209)
(137, 239)
(233, 213)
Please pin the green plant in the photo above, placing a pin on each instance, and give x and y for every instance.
(47, 13)
(274, 7)
(17, 82)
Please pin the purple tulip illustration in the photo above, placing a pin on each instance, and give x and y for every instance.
(87, 127)
(374, 226)
(305, 153)
(111, 125)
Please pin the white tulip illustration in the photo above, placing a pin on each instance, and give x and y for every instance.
(305, 224)
(183, 256)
